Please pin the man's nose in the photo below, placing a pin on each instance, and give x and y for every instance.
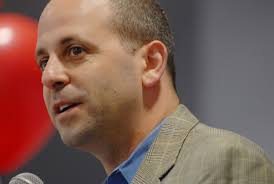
(54, 75)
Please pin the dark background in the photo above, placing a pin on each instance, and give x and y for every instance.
(224, 58)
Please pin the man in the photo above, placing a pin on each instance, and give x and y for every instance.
(109, 87)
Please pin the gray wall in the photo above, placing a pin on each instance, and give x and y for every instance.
(235, 52)
(224, 69)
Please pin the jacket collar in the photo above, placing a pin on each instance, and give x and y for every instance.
(165, 149)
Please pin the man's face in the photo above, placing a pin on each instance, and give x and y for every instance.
(91, 83)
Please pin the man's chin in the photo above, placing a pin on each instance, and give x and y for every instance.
(70, 141)
(78, 141)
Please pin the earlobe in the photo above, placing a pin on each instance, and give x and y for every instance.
(156, 60)
(150, 79)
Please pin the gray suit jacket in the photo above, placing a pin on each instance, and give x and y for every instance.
(189, 152)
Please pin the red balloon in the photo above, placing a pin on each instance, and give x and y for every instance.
(24, 123)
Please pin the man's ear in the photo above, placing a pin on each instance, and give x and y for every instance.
(156, 55)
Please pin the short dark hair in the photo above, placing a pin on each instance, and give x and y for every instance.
(141, 21)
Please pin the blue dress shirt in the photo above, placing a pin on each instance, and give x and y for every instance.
(126, 171)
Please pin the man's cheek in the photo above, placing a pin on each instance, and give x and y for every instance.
(46, 101)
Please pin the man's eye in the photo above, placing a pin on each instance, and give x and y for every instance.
(43, 64)
(76, 51)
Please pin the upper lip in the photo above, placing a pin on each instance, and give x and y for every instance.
(58, 104)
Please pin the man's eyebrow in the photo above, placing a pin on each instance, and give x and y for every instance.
(39, 52)
(75, 38)
(67, 40)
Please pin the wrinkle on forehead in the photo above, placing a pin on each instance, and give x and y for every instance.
(81, 7)
(85, 5)
(61, 11)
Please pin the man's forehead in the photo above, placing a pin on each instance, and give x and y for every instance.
(65, 7)
(76, 4)
(72, 18)
(59, 12)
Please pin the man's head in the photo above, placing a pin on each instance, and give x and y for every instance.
(96, 74)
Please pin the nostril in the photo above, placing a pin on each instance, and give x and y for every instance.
(58, 85)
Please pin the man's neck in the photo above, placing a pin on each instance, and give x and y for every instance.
(153, 112)
(121, 151)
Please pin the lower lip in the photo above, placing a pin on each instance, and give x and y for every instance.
(68, 113)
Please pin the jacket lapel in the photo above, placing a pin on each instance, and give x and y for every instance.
(163, 153)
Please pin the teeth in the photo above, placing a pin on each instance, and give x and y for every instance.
(63, 107)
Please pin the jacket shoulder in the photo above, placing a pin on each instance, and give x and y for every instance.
(214, 138)
(221, 141)
(211, 155)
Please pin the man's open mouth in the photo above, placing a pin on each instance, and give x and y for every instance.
(65, 107)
